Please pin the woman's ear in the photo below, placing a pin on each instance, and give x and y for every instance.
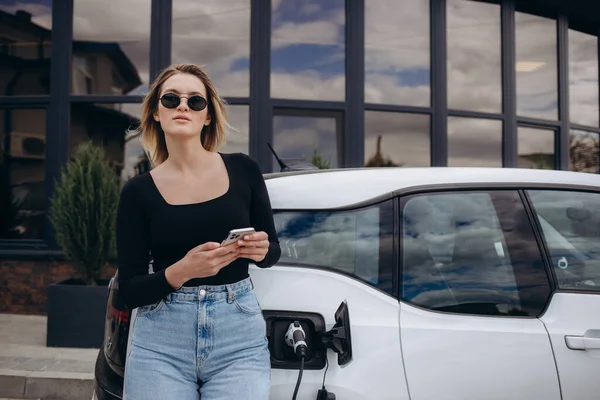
(156, 117)
(207, 120)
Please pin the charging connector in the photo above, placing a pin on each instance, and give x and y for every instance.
(295, 338)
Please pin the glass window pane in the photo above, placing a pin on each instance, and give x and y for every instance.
(570, 222)
(474, 142)
(397, 64)
(111, 47)
(215, 34)
(536, 148)
(462, 253)
(310, 138)
(396, 140)
(107, 125)
(22, 172)
(237, 141)
(308, 50)
(584, 152)
(537, 73)
(357, 242)
(25, 47)
(583, 78)
(474, 56)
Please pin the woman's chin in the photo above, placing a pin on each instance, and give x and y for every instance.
(182, 133)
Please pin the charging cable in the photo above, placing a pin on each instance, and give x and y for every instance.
(295, 338)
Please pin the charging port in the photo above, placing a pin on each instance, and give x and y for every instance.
(282, 355)
(317, 339)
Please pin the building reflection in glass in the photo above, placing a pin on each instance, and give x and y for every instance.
(535, 147)
(397, 60)
(396, 139)
(308, 50)
(474, 142)
(584, 152)
(111, 48)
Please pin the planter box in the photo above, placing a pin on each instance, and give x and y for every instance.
(76, 314)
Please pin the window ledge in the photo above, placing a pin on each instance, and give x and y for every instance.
(26, 251)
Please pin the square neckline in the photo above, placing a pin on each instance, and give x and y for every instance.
(160, 195)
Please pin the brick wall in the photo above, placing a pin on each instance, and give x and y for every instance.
(23, 284)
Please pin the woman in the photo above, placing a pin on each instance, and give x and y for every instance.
(199, 329)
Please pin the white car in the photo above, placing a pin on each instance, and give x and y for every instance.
(422, 284)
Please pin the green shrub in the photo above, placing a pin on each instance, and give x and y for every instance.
(319, 161)
(83, 211)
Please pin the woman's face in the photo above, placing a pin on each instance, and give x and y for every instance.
(181, 119)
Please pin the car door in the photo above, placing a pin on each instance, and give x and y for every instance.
(472, 284)
(570, 224)
(334, 261)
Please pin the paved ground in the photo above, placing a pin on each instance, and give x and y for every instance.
(30, 370)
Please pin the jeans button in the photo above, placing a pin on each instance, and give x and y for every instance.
(202, 292)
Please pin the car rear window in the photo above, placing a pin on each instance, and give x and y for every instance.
(570, 223)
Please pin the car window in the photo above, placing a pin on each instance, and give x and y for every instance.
(471, 253)
(355, 242)
(570, 223)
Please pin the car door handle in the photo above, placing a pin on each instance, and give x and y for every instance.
(589, 341)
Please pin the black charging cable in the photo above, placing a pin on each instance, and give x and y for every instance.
(323, 394)
(299, 378)
(295, 337)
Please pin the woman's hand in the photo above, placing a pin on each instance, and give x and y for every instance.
(254, 246)
(202, 261)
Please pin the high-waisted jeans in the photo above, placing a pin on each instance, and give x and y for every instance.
(207, 341)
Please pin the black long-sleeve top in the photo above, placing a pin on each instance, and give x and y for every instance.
(148, 226)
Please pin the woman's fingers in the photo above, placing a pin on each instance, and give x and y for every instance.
(258, 236)
(258, 243)
(249, 252)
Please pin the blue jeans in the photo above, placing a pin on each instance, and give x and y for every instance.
(207, 341)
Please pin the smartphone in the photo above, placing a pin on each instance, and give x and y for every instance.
(237, 234)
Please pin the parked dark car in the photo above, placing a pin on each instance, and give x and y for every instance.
(110, 363)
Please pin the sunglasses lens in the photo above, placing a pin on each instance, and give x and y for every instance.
(170, 100)
(197, 103)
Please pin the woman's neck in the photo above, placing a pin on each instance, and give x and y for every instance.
(188, 156)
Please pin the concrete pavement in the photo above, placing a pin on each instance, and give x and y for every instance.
(30, 370)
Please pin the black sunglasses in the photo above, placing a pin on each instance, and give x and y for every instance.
(195, 102)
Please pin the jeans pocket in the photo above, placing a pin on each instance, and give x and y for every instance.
(149, 309)
(247, 303)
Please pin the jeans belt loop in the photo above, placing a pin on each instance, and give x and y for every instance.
(230, 295)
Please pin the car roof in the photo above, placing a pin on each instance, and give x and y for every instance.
(337, 188)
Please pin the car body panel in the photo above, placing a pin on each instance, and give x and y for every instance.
(452, 356)
(571, 315)
(376, 369)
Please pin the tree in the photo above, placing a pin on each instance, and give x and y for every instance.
(83, 211)
(583, 151)
(378, 160)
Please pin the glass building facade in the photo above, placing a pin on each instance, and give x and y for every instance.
(347, 83)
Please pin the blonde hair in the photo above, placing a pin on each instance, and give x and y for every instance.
(150, 131)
